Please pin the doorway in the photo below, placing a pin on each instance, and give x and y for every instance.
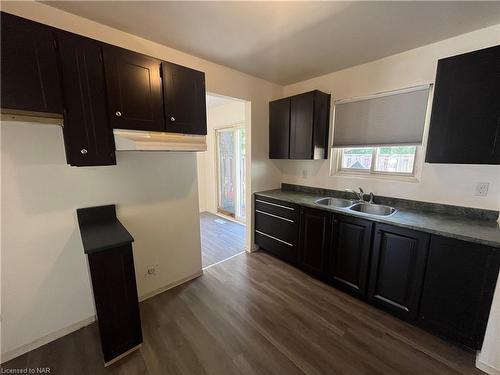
(223, 172)
(230, 155)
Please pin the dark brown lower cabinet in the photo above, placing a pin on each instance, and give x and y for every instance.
(397, 269)
(315, 226)
(440, 283)
(115, 296)
(277, 228)
(458, 289)
(350, 253)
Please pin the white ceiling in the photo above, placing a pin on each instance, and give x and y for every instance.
(286, 42)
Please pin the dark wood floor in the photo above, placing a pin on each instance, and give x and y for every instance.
(256, 315)
(220, 238)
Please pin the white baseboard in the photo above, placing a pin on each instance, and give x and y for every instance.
(222, 261)
(253, 248)
(7, 356)
(486, 368)
(170, 286)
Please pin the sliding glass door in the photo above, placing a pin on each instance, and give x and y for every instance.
(231, 154)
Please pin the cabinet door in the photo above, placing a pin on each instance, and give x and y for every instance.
(115, 294)
(465, 120)
(134, 90)
(321, 125)
(185, 99)
(88, 138)
(397, 269)
(30, 80)
(279, 129)
(350, 254)
(314, 241)
(458, 289)
(301, 126)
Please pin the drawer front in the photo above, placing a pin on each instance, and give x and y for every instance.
(277, 226)
(282, 249)
(276, 207)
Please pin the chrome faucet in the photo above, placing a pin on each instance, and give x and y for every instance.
(371, 198)
(359, 195)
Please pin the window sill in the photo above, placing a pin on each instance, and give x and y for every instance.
(375, 176)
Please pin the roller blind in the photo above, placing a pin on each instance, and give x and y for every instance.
(392, 118)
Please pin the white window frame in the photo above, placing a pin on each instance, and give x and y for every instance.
(337, 170)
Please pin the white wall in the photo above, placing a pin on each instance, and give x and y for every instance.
(220, 116)
(453, 184)
(45, 283)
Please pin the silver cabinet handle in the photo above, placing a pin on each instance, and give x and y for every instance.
(118, 114)
(276, 216)
(274, 238)
(274, 204)
(172, 118)
(84, 151)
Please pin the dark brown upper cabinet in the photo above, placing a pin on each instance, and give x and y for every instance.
(88, 138)
(279, 129)
(299, 125)
(465, 120)
(397, 269)
(95, 87)
(134, 90)
(458, 289)
(350, 253)
(30, 79)
(184, 99)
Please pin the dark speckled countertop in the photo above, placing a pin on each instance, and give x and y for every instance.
(486, 232)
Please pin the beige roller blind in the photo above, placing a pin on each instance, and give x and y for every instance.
(392, 118)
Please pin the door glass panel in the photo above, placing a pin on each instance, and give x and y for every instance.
(226, 171)
(240, 168)
(231, 170)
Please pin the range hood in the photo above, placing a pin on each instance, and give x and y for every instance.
(137, 140)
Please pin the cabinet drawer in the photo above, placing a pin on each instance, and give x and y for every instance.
(276, 207)
(280, 227)
(282, 249)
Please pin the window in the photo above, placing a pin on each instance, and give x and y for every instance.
(388, 160)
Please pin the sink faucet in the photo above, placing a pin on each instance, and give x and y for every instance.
(371, 198)
(359, 195)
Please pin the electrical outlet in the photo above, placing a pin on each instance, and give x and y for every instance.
(482, 189)
(151, 270)
(304, 173)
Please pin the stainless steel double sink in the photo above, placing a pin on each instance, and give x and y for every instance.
(351, 205)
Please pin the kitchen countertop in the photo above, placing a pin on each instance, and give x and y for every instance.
(485, 232)
(100, 229)
(104, 236)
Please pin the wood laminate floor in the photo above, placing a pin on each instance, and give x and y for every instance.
(254, 314)
(220, 238)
